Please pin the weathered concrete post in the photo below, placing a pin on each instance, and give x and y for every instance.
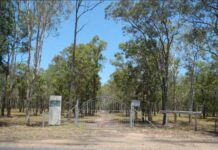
(134, 103)
(166, 122)
(54, 110)
(196, 122)
(131, 116)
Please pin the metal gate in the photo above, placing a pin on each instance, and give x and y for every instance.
(103, 112)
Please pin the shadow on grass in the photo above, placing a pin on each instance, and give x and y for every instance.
(184, 141)
(14, 120)
(4, 124)
(6, 121)
(211, 133)
(19, 115)
(38, 124)
(87, 121)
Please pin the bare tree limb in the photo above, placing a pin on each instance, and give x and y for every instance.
(88, 8)
(81, 27)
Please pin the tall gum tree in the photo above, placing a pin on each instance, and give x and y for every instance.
(12, 41)
(151, 20)
(202, 16)
(81, 8)
(42, 18)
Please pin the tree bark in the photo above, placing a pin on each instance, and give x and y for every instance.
(164, 99)
(149, 106)
(165, 69)
(11, 77)
(174, 98)
(28, 90)
(143, 108)
(191, 95)
(4, 97)
(72, 82)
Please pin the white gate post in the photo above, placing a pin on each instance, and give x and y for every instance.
(132, 116)
(134, 103)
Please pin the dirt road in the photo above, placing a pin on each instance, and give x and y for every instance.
(103, 135)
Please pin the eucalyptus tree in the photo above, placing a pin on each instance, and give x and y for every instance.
(96, 48)
(81, 8)
(123, 82)
(200, 38)
(13, 41)
(89, 63)
(206, 88)
(42, 17)
(191, 56)
(144, 68)
(157, 21)
(21, 85)
(57, 77)
(174, 73)
(6, 24)
(202, 17)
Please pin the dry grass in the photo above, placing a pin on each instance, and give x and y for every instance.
(183, 122)
(98, 134)
(14, 129)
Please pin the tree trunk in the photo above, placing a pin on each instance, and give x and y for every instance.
(20, 108)
(3, 105)
(191, 98)
(174, 98)
(154, 109)
(9, 111)
(204, 108)
(28, 97)
(164, 99)
(30, 24)
(9, 106)
(72, 82)
(36, 108)
(191, 92)
(11, 77)
(204, 112)
(143, 109)
(149, 106)
(4, 97)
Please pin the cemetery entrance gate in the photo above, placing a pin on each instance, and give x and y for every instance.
(104, 112)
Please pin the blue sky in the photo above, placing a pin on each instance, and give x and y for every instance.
(107, 30)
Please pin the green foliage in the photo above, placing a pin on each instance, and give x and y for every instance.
(201, 17)
(146, 68)
(88, 65)
(153, 25)
(146, 64)
(206, 87)
(6, 31)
